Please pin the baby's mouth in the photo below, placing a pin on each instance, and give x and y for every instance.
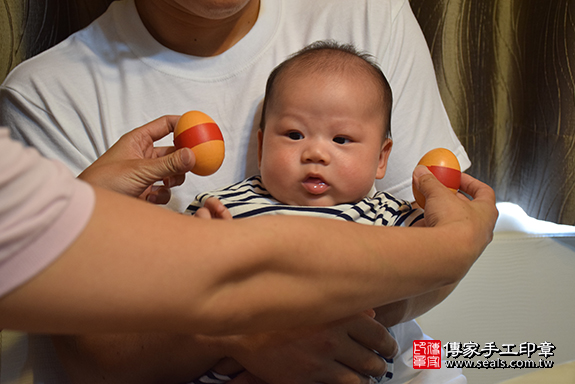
(315, 185)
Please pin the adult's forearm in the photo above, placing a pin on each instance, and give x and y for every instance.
(137, 267)
(411, 308)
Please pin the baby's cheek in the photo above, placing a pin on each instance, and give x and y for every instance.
(353, 170)
(357, 179)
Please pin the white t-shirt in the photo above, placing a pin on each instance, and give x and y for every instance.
(75, 100)
(43, 208)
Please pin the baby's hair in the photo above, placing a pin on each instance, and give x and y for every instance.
(329, 55)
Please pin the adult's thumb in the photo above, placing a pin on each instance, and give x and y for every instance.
(176, 163)
(426, 185)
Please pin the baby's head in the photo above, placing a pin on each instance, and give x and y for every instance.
(325, 131)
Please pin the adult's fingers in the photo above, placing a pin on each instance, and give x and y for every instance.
(378, 338)
(428, 185)
(369, 336)
(158, 195)
(158, 128)
(174, 164)
(476, 189)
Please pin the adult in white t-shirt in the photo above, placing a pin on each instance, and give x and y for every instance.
(75, 100)
(144, 59)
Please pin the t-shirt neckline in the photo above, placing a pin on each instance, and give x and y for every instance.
(205, 69)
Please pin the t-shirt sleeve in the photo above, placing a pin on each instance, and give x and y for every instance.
(43, 208)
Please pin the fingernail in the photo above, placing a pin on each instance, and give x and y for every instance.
(186, 156)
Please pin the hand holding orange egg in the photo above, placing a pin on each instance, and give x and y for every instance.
(444, 165)
(201, 134)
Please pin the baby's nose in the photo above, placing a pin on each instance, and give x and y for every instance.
(316, 153)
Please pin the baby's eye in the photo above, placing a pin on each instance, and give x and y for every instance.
(295, 135)
(341, 140)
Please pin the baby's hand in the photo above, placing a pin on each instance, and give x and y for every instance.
(213, 209)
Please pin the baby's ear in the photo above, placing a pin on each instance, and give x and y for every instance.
(383, 157)
(260, 143)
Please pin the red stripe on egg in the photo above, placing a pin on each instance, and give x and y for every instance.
(201, 133)
(450, 177)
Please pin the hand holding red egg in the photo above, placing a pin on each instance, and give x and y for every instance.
(444, 165)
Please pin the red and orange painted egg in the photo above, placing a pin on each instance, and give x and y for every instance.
(444, 165)
(201, 134)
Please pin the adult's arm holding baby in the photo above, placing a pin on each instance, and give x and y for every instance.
(134, 268)
(408, 309)
(389, 314)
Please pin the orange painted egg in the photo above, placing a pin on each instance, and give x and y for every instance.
(201, 134)
(444, 165)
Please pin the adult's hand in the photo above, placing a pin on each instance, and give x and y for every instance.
(340, 352)
(132, 165)
(472, 220)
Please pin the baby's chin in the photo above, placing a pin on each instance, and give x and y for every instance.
(313, 201)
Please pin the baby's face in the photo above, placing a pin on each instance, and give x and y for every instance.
(323, 142)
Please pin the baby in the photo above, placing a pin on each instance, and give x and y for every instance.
(324, 138)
